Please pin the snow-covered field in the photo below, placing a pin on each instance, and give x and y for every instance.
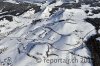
(41, 39)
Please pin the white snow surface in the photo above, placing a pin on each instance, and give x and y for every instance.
(11, 1)
(47, 39)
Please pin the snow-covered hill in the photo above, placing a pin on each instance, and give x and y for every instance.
(49, 34)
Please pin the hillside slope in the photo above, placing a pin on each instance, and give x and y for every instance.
(49, 34)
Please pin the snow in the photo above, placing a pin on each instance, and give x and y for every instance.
(11, 1)
(29, 13)
(46, 13)
(48, 38)
(98, 38)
